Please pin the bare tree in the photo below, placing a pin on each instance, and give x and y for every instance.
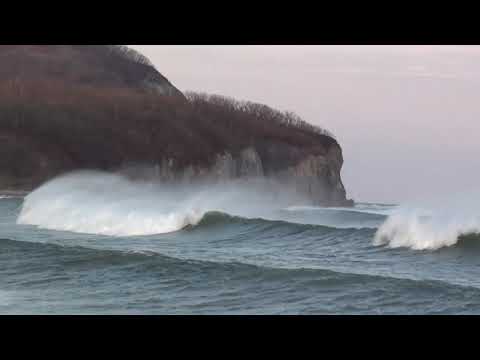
(258, 111)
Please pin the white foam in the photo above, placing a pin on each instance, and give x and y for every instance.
(108, 204)
(426, 230)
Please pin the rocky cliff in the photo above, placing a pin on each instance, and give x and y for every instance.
(317, 177)
(108, 108)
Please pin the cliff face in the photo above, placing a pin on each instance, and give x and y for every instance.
(315, 177)
(64, 108)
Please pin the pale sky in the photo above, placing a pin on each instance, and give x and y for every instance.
(407, 117)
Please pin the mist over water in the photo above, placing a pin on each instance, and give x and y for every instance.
(109, 204)
(95, 242)
(432, 223)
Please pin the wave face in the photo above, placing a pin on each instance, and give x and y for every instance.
(88, 281)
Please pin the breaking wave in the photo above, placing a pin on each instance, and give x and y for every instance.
(108, 204)
(441, 224)
(415, 232)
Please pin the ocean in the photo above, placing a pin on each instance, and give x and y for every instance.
(96, 243)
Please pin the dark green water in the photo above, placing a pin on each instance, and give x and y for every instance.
(235, 265)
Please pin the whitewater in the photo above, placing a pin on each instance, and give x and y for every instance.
(108, 204)
(96, 242)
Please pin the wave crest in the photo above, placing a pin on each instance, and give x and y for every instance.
(107, 204)
(418, 231)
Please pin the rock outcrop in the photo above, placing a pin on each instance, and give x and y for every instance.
(66, 107)
(316, 178)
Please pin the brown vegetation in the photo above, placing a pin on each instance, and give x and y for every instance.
(103, 121)
(95, 65)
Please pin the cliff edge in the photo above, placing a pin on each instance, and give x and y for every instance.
(69, 107)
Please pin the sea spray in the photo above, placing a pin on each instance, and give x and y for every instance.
(435, 224)
(109, 204)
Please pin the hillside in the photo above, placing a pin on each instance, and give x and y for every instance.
(66, 107)
(76, 65)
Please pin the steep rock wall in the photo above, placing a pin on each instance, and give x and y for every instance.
(316, 177)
